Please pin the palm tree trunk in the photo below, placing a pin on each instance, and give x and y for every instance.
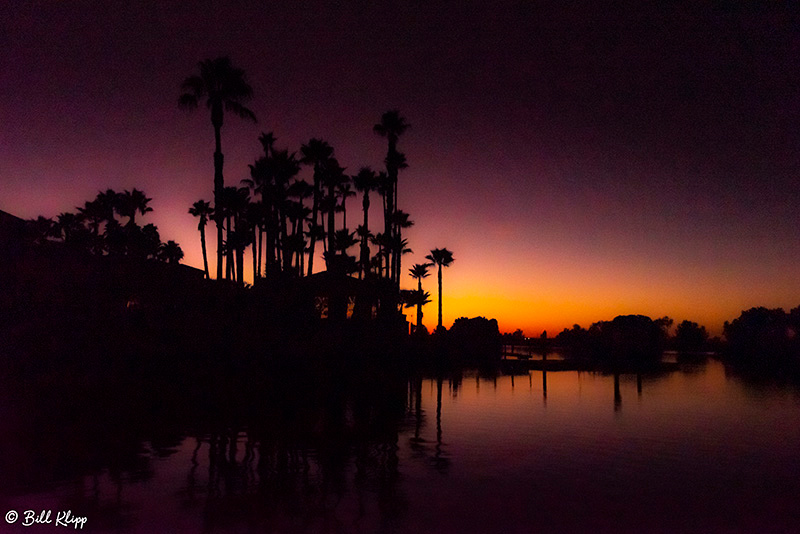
(364, 246)
(440, 295)
(240, 265)
(387, 229)
(219, 184)
(314, 217)
(271, 240)
(302, 253)
(331, 222)
(286, 244)
(203, 246)
(229, 255)
(260, 247)
(255, 253)
(419, 305)
(399, 252)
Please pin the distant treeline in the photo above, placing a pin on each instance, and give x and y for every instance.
(759, 337)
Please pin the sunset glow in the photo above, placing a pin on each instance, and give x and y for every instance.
(575, 176)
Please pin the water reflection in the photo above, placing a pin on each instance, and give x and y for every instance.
(698, 451)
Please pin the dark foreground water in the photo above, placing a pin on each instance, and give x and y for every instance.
(696, 450)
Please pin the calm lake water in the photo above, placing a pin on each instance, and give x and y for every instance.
(695, 450)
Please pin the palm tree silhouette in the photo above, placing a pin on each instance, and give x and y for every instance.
(443, 258)
(315, 153)
(41, 229)
(418, 298)
(235, 201)
(68, 226)
(224, 88)
(93, 213)
(203, 210)
(345, 191)
(298, 213)
(170, 252)
(365, 181)
(420, 271)
(259, 181)
(285, 167)
(131, 202)
(392, 126)
(400, 221)
(333, 178)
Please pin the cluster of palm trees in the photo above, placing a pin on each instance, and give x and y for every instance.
(441, 257)
(95, 228)
(282, 217)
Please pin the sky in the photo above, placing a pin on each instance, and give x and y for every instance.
(581, 161)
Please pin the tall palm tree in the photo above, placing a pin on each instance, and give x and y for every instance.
(224, 88)
(420, 271)
(392, 126)
(315, 153)
(203, 210)
(443, 258)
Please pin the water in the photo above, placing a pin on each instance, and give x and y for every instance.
(696, 450)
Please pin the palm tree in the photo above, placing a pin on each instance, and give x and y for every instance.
(418, 298)
(285, 167)
(41, 229)
(234, 205)
(343, 239)
(443, 258)
(365, 181)
(224, 88)
(384, 244)
(131, 202)
(94, 214)
(400, 221)
(420, 271)
(316, 153)
(345, 191)
(392, 126)
(68, 226)
(298, 213)
(365, 236)
(333, 178)
(170, 252)
(259, 181)
(203, 210)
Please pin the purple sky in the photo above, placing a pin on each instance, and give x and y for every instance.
(579, 162)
